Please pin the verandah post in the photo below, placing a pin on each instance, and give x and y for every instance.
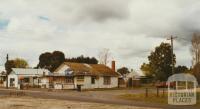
(157, 92)
(146, 94)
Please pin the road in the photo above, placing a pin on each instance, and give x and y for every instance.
(106, 97)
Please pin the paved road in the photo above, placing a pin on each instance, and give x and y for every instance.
(107, 97)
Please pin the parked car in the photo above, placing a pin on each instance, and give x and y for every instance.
(161, 85)
(164, 84)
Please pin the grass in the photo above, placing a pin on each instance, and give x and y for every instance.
(152, 98)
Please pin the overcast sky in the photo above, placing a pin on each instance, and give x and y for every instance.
(129, 28)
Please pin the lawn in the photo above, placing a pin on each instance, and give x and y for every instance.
(152, 98)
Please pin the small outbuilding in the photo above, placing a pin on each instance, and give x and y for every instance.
(27, 77)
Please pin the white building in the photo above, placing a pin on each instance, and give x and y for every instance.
(2, 76)
(69, 75)
(134, 74)
(132, 79)
(28, 77)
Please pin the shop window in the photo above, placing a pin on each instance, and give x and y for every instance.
(80, 78)
(69, 80)
(107, 80)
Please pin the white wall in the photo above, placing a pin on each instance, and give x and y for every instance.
(44, 82)
(113, 83)
(62, 70)
(15, 82)
(99, 83)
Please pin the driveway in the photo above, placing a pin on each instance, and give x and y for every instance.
(106, 97)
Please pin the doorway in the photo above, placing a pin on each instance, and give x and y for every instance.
(12, 80)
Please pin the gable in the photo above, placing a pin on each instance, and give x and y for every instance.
(62, 69)
(12, 73)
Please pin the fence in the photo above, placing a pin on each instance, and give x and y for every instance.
(158, 92)
(17, 93)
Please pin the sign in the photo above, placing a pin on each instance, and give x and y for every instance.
(182, 89)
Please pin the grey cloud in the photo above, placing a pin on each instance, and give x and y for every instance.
(102, 10)
(111, 23)
(136, 53)
(164, 18)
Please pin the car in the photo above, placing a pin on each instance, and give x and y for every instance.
(165, 84)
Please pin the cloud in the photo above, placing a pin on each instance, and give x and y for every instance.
(102, 10)
(129, 28)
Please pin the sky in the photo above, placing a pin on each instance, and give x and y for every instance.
(130, 29)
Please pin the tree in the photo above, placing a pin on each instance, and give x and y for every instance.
(104, 55)
(16, 63)
(123, 70)
(196, 72)
(195, 49)
(82, 59)
(51, 60)
(160, 64)
(20, 63)
(9, 65)
(181, 69)
(57, 59)
(146, 69)
(45, 60)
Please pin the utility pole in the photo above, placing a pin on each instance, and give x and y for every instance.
(7, 58)
(172, 51)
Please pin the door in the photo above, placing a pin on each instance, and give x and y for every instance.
(12, 82)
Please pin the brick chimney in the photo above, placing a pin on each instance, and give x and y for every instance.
(113, 65)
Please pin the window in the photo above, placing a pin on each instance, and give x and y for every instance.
(92, 80)
(107, 80)
(68, 72)
(39, 81)
(80, 78)
(69, 80)
(26, 80)
(12, 80)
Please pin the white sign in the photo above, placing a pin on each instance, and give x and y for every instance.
(182, 89)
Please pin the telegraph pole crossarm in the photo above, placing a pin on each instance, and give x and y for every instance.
(172, 51)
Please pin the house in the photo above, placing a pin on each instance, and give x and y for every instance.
(28, 77)
(2, 76)
(131, 79)
(69, 75)
(134, 78)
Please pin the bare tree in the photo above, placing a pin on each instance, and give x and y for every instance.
(104, 56)
(195, 49)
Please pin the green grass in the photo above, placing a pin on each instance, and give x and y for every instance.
(152, 98)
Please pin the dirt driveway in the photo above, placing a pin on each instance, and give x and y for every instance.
(105, 97)
(37, 103)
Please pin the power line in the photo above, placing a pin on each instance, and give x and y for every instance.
(172, 51)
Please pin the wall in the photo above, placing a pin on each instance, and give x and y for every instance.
(62, 70)
(44, 82)
(15, 82)
(113, 84)
(99, 83)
